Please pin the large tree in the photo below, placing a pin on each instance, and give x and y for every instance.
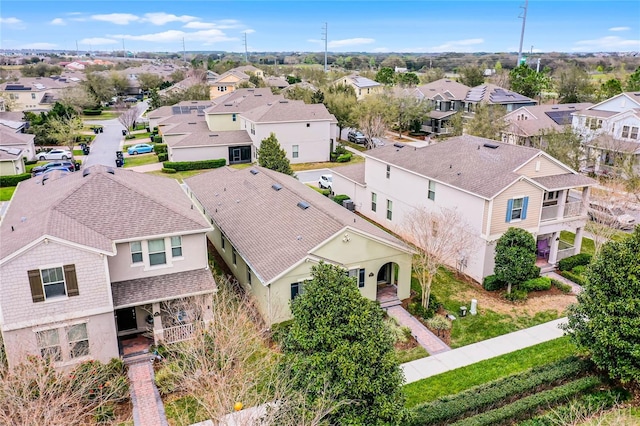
(487, 122)
(385, 76)
(408, 109)
(373, 116)
(515, 259)
(606, 319)
(633, 82)
(609, 89)
(342, 106)
(528, 82)
(99, 86)
(574, 85)
(471, 76)
(272, 156)
(564, 145)
(338, 344)
(149, 81)
(407, 79)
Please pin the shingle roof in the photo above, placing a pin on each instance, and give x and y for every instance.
(242, 100)
(208, 138)
(444, 87)
(190, 125)
(141, 291)
(493, 94)
(265, 225)
(7, 153)
(564, 181)
(354, 172)
(9, 137)
(542, 117)
(610, 143)
(462, 162)
(286, 110)
(97, 209)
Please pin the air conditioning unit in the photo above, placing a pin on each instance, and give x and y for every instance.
(349, 205)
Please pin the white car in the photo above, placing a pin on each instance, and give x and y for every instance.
(325, 181)
(55, 154)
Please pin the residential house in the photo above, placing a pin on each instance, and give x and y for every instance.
(446, 97)
(226, 83)
(224, 114)
(529, 124)
(23, 142)
(363, 86)
(492, 186)
(11, 162)
(270, 229)
(490, 94)
(11, 120)
(610, 132)
(277, 82)
(99, 258)
(35, 93)
(181, 109)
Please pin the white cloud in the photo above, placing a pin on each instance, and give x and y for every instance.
(199, 25)
(457, 45)
(350, 42)
(58, 21)
(608, 43)
(210, 36)
(161, 18)
(249, 31)
(10, 21)
(223, 24)
(39, 46)
(95, 41)
(619, 29)
(314, 40)
(116, 18)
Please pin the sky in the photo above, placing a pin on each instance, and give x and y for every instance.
(298, 26)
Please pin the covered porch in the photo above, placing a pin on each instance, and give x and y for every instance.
(387, 285)
(163, 309)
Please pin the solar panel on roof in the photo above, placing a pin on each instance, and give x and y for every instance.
(175, 110)
(560, 117)
(185, 109)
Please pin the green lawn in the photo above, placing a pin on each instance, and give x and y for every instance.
(143, 135)
(106, 115)
(6, 193)
(327, 164)
(353, 145)
(587, 243)
(140, 160)
(411, 354)
(457, 380)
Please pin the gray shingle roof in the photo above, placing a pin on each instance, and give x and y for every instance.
(286, 110)
(354, 172)
(266, 226)
(543, 118)
(444, 87)
(493, 94)
(463, 162)
(242, 100)
(208, 138)
(564, 181)
(97, 209)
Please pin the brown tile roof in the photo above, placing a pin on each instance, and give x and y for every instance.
(265, 225)
(564, 181)
(97, 209)
(208, 138)
(354, 172)
(462, 162)
(162, 287)
(446, 88)
(286, 110)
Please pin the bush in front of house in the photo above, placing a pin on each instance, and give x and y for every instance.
(492, 283)
(13, 180)
(568, 263)
(163, 157)
(576, 278)
(537, 284)
(340, 198)
(157, 139)
(92, 111)
(565, 288)
(168, 170)
(517, 295)
(344, 158)
(181, 166)
(160, 148)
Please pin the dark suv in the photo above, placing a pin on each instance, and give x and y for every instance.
(54, 164)
(356, 136)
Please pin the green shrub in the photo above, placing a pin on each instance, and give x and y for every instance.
(160, 148)
(326, 191)
(537, 284)
(438, 322)
(182, 166)
(571, 262)
(340, 150)
(340, 198)
(105, 414)
(344, 158)
(496, 393)
(157, 139)
(130, 136)
(524, 407)
(13, 180)
(92, 111)
(578, 279)
(167, 378)
(492, 283)
(565, 288)
(580, 269)
(163, 157)
(168, 170)
(516, 295)
(30, 162)
(416, 309)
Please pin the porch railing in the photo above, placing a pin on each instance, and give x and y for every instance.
(564, 250)
(571, 209)
(179, 333)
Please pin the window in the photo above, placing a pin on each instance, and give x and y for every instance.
(634, 133)
(438, 105)
(33, 96)
(432, 190)
(253, 129)
(157, 256)
(625, 131)
(517, 209)
(233, 117)
(296, 289)
(389, 209)
(295, 151)
(53, 282)
(49, 344)
(453, 106)
(136, 251)
(222, 242)
(176, 246)
(78, 340)
(388, 171)
(374, 201)
(359, 274)
(222, 88)
(234, 257)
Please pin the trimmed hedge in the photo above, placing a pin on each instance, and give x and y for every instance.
(344, 158)
(92, 111)
(181, 166)
(160, 148)
(578, 279)
(565, 288)
(157, 139)
(571, 262)
(170, 171)
(492, 283)
(163, 157)
(496, 393)
(537, 284)
(13, 180)
(525, 407)
(340, 198)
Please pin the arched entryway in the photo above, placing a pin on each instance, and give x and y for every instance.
(387, 284)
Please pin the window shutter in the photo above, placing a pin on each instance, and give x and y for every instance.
(71, 280)
(525, 204)
(509, 210)
(37, 292)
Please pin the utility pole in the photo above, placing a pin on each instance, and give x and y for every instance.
(524, 21)
(77, 51)
(246, 60)
(324, 37)
(184, 52)
(124, 52)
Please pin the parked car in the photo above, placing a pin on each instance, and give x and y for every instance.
(56, 154)
(54, 164)
(610, 215)
(53, 169)
(131, 99)
(356, 136)
(377, 142)
(325, 181)
(140, 148)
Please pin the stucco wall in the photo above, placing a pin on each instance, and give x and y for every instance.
(221, 122)
(199, 153)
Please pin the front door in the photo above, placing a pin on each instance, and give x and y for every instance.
(126, 319)
(235, 155)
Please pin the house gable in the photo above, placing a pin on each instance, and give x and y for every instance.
(541, 165)
(522, 189)
(622, 102)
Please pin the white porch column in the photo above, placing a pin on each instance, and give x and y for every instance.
(158, 331)
(577, 244)
(586, 192)
(207, 314)
(562, 201)
(553, 249)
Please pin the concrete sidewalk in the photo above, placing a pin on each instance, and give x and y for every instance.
(146, 168)
(467, 355)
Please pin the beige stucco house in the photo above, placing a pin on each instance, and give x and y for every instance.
(34, 93)
(21, 141)
(270, 229)
(492, 185)
(363, 86)
(11, 161)
(96, 261)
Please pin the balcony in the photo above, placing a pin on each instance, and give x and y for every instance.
(571, 209)
(179, 333)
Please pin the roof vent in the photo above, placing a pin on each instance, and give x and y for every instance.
(254, 171)
(304, 205)
(85, 172)
(110, 171)
(554, 107)
(491, 145)
(276, 186)
(228, 104)
(192, 123)
(284, 102)
(398, 145)
(213, 135)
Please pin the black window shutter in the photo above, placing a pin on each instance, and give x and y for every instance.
(37, 292)
(71, 280)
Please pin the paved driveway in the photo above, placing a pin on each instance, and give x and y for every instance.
(311, 176)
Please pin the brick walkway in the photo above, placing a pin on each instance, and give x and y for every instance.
(425, 338)
(147, 405)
